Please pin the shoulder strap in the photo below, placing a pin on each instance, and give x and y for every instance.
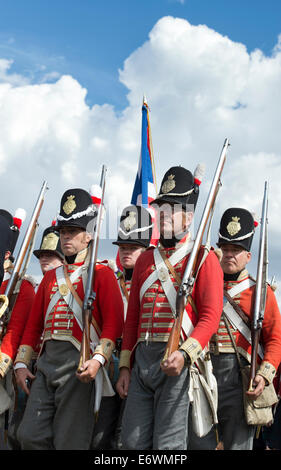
(237, 308)
(177, 278)
(239, 319)
(77, 298)
(241, 286)
(175, 258)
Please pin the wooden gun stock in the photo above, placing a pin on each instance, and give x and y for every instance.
(174, 338)
(85, 344)
(253, 367)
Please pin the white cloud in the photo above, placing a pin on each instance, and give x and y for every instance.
(201, 87)
(10, 78)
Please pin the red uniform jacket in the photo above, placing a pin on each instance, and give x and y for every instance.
(18, 319)
(141, 316)
(271, 328)
(61, 323)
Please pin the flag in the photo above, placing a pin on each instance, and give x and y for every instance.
(145, 184)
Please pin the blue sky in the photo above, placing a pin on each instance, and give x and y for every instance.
(72, 78)
(90, 39)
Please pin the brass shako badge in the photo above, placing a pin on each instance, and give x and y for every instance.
(50, 241)
(169, 184)
(234, 226)
(70, 205)
(135, 226)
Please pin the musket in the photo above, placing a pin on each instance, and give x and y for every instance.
(9, 298)
(90, 295)
(261, 289)
(189, 276)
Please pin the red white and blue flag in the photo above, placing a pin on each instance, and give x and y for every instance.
(145, 184)
(144, 190)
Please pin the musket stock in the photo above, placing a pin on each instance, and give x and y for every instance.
(260, 290)
(189, 276)
(90, 295)
(174, 336)
(85, 344)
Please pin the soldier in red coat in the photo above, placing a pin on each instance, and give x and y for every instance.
(156, 412)
(236, 233)
(12, 331)
(49, 253)
(60, 411)
(12, 335)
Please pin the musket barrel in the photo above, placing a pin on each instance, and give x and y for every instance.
(259, 301)
(260, 290)
(188, 279)
(206, 212)
(26, 240)
(89, 293)
(94, 248)
(16, 276)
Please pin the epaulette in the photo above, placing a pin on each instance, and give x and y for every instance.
(112, 264)
(29, 278)
(272, 285)
(218, 253)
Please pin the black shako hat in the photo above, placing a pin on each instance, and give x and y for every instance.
(135, 226)
(237, 227)
(50, 242)
(5, 239)
(76, 210)
(15, 223)
(180, 186)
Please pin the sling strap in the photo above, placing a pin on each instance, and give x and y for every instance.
(78, 300)
(235, 315)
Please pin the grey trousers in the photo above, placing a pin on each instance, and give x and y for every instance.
(59, 412)
(235, 433)
(156, 410)
(104, 437)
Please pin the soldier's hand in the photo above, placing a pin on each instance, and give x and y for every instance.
(174, 364)
(123, 381)
(89, 371)
(24, 377)
(259, 383)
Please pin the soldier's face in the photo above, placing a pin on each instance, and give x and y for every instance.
(48, 260)
(234, 258)
(173, 220)
(128, 255)
(73, 240)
